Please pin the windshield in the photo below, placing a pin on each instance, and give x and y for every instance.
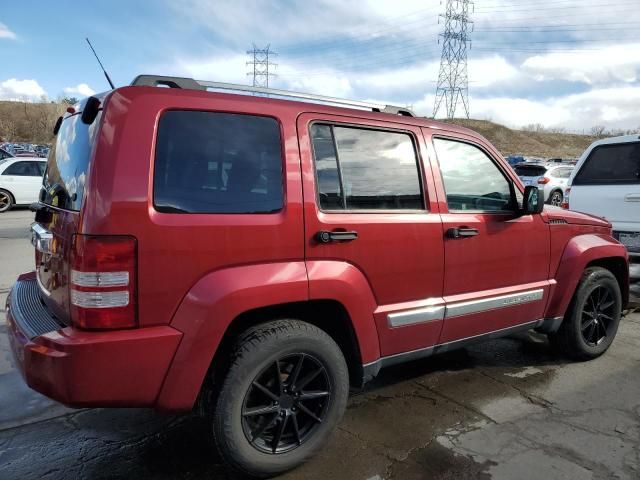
(68, 163)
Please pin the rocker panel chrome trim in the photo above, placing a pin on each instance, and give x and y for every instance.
(371, 369)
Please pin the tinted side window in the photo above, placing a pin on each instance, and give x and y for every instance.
(23, 169)
(611, 164)
(471, 180)
(209, 162)
(371, 170)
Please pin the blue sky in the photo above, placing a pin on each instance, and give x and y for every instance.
(562, 63)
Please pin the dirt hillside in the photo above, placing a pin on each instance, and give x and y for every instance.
(33, 122)
(535, 144)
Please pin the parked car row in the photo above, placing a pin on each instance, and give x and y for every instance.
(25, 149)
(550, 178)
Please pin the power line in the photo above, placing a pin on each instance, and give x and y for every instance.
(453, 80)
(261, 64)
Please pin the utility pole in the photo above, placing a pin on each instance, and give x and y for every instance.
(261, 64)
(453, 80)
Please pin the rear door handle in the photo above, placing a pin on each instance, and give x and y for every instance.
(462, 232)
(632, 197)
(324, 236)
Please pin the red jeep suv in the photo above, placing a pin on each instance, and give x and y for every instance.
(258, 255)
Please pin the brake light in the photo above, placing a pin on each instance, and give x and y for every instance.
(565, 199)
(103, 282)
(543, 180)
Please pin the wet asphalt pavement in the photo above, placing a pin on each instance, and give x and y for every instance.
(505, 409)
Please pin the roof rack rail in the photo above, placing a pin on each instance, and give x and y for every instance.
(191, 84)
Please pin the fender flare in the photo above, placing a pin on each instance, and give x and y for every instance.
(210, 307)
(579, 252)
(212, 304)
(347, 284)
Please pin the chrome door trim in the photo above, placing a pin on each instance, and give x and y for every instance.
(492, 303)
(432, 313)
(418, 315)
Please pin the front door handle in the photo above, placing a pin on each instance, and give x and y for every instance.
(462, 232)
(324, 236)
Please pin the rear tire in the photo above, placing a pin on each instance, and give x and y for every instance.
(591, 323)
(556, 198)
(283, 395)
(6, 201)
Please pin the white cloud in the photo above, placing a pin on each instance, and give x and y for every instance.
(23, 90)
(82, 90)
(619, 63)
(388, 51)
(5, 32)
(616, 107)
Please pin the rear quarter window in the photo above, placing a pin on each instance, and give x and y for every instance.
(68, 162)
(210, 162)
(611, 164)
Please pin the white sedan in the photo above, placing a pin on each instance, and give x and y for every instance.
(20, 181)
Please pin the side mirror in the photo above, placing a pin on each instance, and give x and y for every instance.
(533, 201)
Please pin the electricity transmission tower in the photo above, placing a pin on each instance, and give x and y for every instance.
(261, 64)
(453, 81)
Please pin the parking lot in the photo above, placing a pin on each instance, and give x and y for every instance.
(504, 409)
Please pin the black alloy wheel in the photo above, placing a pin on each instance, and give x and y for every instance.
(593, 316)
(597, 316)
(286, 403)
(280, 397)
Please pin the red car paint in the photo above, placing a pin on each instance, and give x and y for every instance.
(198, 273)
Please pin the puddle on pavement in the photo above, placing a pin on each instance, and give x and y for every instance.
(389, 430)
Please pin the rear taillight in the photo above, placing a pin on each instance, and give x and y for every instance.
(565, 198)
(103, 282)
(543, 180)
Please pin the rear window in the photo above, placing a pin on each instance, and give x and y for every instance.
(68, 163)
(530, 170)
(611, 164)
(208, 162)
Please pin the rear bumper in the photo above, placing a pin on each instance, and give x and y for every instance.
(86, 369)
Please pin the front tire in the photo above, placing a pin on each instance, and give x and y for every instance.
(283, 395)
(6, 201)
(591, 323)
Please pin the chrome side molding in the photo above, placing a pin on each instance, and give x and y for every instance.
(442, 311)
(491, 303)
(419, 315)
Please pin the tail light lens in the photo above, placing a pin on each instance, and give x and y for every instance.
(565, 199)
(103, 282)
(543, 180)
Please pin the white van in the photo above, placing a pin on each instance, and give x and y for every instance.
(606, 183)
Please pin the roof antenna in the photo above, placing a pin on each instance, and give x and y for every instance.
(101, 66)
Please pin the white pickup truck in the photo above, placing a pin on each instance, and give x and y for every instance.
(606, 183)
